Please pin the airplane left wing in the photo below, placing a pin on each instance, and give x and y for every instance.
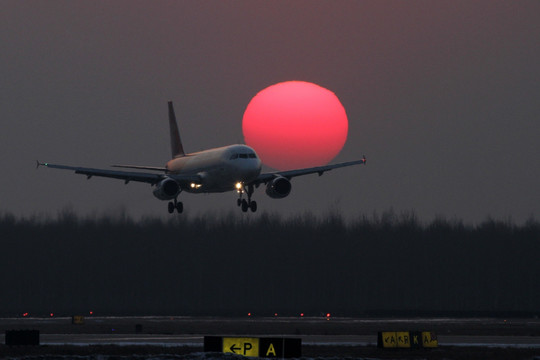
(127, 176)
(264, 178)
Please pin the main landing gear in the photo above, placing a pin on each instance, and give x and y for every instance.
(175, 205)
(246, 204)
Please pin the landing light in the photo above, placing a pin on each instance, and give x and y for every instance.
(239, 187)
(195, 186)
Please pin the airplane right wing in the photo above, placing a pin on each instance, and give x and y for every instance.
(266, 177)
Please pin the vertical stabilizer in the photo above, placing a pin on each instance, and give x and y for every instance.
(176, 144)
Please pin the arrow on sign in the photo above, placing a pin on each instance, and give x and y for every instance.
(234, 348)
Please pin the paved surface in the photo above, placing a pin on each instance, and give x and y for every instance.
(171, 331)
(173, 337)
(343, 340)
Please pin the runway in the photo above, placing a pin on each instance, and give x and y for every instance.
(316, 340)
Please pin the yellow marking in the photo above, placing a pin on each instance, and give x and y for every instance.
(271, 350)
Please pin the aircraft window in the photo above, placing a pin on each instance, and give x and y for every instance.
(234, 156)
(243, 156)
(252, 156)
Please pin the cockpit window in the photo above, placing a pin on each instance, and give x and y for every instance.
(243, 156)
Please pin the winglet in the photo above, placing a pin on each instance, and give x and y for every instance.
(177, 150)
(364, 159)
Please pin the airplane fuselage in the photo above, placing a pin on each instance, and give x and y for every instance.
(220, 169)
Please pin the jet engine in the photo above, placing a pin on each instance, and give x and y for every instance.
(278, 187)
(166, 189)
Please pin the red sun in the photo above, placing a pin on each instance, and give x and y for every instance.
(295, 124)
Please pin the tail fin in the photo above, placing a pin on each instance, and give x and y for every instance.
(177, 149)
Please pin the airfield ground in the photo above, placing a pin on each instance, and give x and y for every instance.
(479, 338)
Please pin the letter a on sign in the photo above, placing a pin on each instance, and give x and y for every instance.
(271, 350)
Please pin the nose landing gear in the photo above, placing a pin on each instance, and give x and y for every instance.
(246, 204)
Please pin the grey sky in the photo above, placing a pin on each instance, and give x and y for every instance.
(442, 97)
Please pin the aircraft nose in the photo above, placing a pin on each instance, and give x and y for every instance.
(250, 169)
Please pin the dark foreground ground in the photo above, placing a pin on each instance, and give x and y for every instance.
(308, 352)
(293, 327)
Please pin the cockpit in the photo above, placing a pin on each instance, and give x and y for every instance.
(248, 155)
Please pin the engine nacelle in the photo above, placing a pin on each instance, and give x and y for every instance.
(278, 188)
(166, 189)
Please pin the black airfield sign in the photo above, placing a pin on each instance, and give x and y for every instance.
(254, 346)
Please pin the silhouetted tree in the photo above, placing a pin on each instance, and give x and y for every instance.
(233, 264)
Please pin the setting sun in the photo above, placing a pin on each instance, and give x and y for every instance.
(295, 124)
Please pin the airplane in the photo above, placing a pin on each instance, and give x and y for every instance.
(228, 168)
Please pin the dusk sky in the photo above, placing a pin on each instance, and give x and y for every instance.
(443, 98)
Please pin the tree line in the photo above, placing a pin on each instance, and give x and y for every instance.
(233, 264)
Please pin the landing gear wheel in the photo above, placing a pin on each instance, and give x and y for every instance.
(171, 207)
(253, 206)
(239, 202)
(179, 207)
(245, 205)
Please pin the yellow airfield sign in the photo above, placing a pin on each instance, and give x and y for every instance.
(403, 339)
(246, 346)
(407, 339)
(429, 339)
